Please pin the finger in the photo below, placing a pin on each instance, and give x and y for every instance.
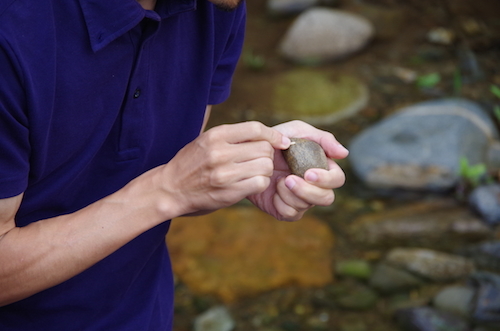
(235, 172)
(327, 140)
(310, 193)
(250, 186)
(252, 150)
(254, 131)
(333, 178)
(235, 192)
(291, 199)
(286, 212)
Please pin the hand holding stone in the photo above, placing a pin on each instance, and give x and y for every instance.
(304, 154)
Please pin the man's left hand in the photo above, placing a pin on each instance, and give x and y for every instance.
(288, 196)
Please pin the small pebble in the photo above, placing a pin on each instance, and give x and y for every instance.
(304, 154)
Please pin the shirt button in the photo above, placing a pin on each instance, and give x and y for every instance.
(137, 93)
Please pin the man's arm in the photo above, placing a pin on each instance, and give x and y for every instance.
(219, 168)
(48, 252)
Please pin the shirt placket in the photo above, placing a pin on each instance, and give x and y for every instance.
(136, 105)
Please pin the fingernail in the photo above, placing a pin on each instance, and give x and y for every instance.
(311, 176)
(289, 183)
(343, 147)
(286, 141)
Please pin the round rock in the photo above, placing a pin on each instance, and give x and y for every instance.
(420, 146)
(317, 97)
(304, 154)
(322, 34)
(486, 201)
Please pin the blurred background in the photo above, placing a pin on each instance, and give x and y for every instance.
(412, 242)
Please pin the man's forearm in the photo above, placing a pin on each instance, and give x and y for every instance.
(50, 251)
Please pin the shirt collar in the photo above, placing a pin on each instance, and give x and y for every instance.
(108, 19)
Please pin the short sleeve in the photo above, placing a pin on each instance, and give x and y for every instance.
(14, 134)
(226, 64)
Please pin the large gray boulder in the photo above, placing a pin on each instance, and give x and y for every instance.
(420, 146)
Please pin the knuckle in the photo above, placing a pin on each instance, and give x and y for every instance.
(327, 199)
(256, 127)
(265, 148)
(268, 148)
(268, 166)
(340, 178)
(261, 183)
(288, 214)
(212, 158)
(217, 179)
(213, 135)
(216, 157)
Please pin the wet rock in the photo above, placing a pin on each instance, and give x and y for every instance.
(433, 265)
(432, 54)
(290, 326)
(406, 75)
(359, 269)
(303, 155)
(316, 97)
(320, 34)
(319, 322)
(486, 255)
(389, 279)
(493, 158)
(456, 300)
(420, 146)
(353, 325)
(429, 319)
(486, 201)
(437, 224)
(441, 36)
(470, 69)
(487, 301)
(472, 26)
(207, 252)
(214, 319)
(287, 7)
(405, 300)
(353, 296)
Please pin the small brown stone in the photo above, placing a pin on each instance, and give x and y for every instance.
(304, 154)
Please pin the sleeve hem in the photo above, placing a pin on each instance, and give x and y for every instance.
(219, 94)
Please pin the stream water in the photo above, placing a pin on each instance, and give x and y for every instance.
(400, 42)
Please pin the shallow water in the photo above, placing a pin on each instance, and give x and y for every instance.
(400, 43)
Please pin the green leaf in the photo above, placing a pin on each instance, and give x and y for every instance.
(473, 174)
(495, 90)
(464, 166)
(429, 80)
(253, 61)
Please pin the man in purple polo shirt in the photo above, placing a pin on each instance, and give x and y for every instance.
(101, 107)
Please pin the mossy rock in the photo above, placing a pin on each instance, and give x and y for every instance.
(317, 98)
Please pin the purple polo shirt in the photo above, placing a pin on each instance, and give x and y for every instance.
(94, 93)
